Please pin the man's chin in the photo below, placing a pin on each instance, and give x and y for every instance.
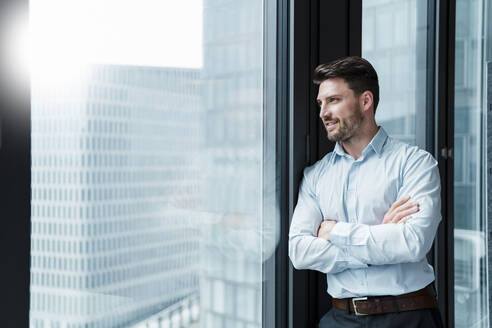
(333, 137)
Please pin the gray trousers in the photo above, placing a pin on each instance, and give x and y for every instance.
(427, 318)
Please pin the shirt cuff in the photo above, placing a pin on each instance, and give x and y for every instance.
(352, 262)
(340, 234)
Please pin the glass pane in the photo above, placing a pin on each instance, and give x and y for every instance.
(488, 150)
(394, 40)
(149, 161)
(470, 305)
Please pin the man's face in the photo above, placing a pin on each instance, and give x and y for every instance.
(339, 109)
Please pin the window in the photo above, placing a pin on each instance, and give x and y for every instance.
(470, 250)
(398, 54)
(154, 114)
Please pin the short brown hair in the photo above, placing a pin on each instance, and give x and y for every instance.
(356, 71)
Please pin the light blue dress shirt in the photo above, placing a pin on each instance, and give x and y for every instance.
(365, 257)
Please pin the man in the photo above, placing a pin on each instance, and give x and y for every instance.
(367, 212)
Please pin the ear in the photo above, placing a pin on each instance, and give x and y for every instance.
(366, 101)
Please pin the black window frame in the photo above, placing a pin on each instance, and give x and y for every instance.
(443, 148)
(339, 23)
(15, 172)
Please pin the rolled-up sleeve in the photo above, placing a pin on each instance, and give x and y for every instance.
(306, 250)
(398, 243)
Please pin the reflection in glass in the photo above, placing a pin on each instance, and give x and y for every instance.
(148, 198)
(471, 305)
(394, 41)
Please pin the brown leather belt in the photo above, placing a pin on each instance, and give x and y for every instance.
(420, 299)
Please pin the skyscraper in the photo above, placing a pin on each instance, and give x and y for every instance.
(231, 275)
(112, 153)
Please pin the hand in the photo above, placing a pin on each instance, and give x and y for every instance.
(325, 228)
(401, 211)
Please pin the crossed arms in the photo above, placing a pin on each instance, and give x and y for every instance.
(405, 234)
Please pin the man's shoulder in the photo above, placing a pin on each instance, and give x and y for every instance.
(407, 152)
(314, 170)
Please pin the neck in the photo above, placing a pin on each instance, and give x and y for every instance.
(356, 144)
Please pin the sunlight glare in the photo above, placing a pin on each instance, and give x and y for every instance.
(66, 35)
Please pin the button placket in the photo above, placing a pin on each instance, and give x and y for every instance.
(351, 193)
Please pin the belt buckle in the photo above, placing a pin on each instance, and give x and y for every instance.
(355, 299)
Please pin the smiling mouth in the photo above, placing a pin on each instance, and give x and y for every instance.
(330, 125)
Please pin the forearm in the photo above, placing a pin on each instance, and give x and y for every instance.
(309, 252)
(409, 240)
(306, 250)
(386, 243)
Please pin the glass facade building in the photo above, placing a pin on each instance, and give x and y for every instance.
(232, 252)
(110, 244)
(470, 218)
(399, 56)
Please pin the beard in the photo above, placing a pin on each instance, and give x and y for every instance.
(347, 127)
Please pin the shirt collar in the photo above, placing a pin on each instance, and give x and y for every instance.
(339, 149)
(376, 143)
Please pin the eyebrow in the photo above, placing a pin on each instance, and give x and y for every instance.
(329, 96)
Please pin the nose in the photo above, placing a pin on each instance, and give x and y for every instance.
(323, 111)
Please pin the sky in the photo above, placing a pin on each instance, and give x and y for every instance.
(123, 32)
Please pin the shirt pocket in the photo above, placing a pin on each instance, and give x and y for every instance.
(377, 194)
(330, 200)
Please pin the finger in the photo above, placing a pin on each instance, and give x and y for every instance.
(387, 221)
(396, 220)
(388, 218)
(401, 214)
(391, 215)
(405, 219)
(397, 204)
(400, 201)
(405, 213)
(406, 206)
